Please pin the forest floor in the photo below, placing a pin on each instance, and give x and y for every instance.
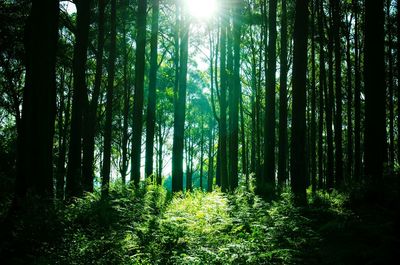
(149, 226)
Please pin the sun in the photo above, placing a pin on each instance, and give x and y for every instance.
(202, 9)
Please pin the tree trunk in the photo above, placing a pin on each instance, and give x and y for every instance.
(109, 104)
(90, 116)
(35, 141)
(269, 141)
(151, 108)
(357, 96)
(139, 92)
(350, 147)
(322, 88)
(283, 106)
(235, 97)
(126, 84)
(180, 106)
(64, 124)
(313, 146)
(329, 112)
(79, 99)
(374, 74)
(223, 162)
(298, 140)
(338, 94)
(210, 173)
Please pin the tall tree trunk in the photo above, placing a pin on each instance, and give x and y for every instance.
(269, 141)
(109, 104)
(390, 88)
(201, 154)
(126, 84)
(180, 106)
(223, 162)
(210, 173)
(330, 110)
(298, 140)
(374, 74)
(35, 141)
(74, 177)
(245, 169)
(322, 88)
(151, 108)
(338, 94)
(357, 96)
(235, 97)
(313, 146)
(349, 170)
(64, 124)
(139, 92)
(283, 106)
(90, 117)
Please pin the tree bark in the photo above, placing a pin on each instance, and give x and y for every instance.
(139, 92)
(298, 140)
(151, 108)
(374, 74)
(109, 104)
(79, 99)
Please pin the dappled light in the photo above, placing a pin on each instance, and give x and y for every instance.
(196, 132)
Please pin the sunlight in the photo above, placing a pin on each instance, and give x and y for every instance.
(202, 9)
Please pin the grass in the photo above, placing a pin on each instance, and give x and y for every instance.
(149, 226)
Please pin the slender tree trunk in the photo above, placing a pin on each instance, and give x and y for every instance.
(90, 117)
(180, 106)
(139, 92)
(349, 107)
(329, 111)
(245, 169)
(357, 96)
(126, 81)
(398, 78)
(210, 173)
(60, 178)
(322, 88)
(269, 141)
(313, 146)
(338, 94)
(223, 162)
(151, 108)
(234, 103)
(298, 140)
(283, 105)
(74, 177)
(201, 154)
(390, 88)
(374, 75)
(109, 104)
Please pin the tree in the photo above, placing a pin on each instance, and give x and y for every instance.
(338, 93)
(139, 92)
(269, 141)
(234, 99)
(283, 141)
(151, 108)
(298, 140)
(90, 117)
(79, 100)
(35, 141)
(109, 105)
(374, 67)
(180, 106)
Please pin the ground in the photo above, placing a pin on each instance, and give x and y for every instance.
(149, 226)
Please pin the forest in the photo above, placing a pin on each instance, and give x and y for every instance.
(199, 132)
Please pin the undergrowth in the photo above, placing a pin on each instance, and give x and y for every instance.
(150, 226)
